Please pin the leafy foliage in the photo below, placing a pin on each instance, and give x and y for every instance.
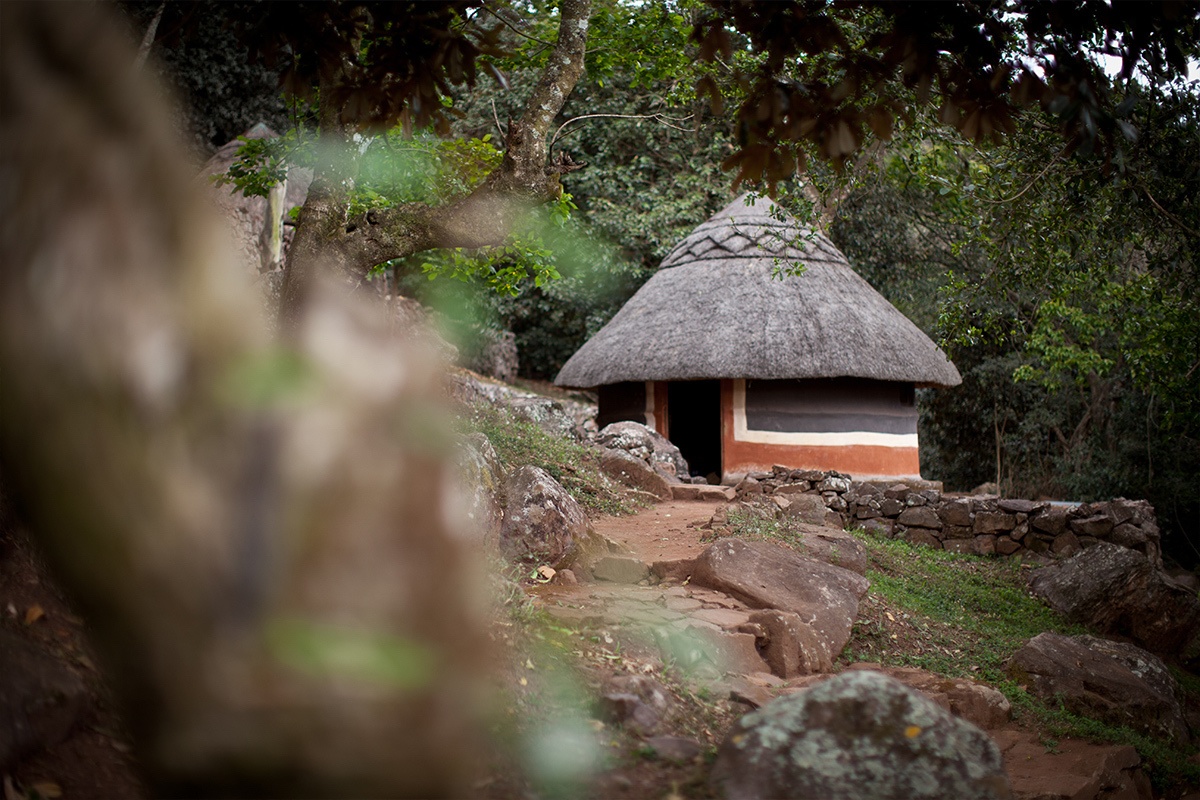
(208, 67)
(832, 73)
(1068, 300)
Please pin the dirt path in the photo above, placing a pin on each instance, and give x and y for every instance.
(650, 623)
(665, 532)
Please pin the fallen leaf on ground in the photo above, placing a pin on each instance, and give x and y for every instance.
(47, 789)
(34, 613)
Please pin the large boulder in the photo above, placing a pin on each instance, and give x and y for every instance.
(859, 736)
(766, 575)
(807, 508)
(480, 478)
(1116, 682)
(1073, 770)
(556, 416)
(789, 645)
(40, 700)
(1117, 590)
(975, 702)
(633, 472)
(648, 445)
(542, 522)
(830, 545)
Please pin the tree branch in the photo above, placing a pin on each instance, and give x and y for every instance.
(488, 215)
(660, 118)
(327, 240)
(1180, 223)
(148, 38)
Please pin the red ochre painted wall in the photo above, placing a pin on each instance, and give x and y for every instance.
(661, 410)
(861, 461)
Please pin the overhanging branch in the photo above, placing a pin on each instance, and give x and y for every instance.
(524, 178)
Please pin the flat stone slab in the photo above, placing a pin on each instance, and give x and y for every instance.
(765, 575)
(1073, 770)
(700, 491)
(722, 617)
(675, 748)
(683, 604)
(679, 569)
(619, 569)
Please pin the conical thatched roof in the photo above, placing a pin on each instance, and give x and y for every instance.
(715, 310)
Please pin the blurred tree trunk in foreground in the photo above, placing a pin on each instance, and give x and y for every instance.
(257, 528)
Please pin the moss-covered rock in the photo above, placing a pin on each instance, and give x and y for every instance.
(859, 736)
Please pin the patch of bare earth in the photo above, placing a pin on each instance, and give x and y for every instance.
(95, 760)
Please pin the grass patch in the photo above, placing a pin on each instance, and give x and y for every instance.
(963, 616)
(973, 612)
(519, 443)
(752, 525)
(1167, 765)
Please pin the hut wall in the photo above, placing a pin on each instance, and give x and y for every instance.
(657, 404)
(865, 428)
(634, 401)
(619, 402)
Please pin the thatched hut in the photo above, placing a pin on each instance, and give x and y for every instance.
(744, 369)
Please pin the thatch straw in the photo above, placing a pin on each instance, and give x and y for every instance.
(715, 310)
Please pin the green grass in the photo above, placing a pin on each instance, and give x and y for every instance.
(977, 609)
(963, 616)
(971, 614)
(519, 443)
(750, 525)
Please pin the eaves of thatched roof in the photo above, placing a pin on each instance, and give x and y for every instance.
(715, 309)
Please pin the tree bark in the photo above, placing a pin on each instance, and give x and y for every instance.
(330, 241)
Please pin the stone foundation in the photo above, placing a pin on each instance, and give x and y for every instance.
(980, 524)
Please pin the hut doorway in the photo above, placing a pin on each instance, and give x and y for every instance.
(694, 423)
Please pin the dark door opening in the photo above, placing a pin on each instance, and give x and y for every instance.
(694, 423)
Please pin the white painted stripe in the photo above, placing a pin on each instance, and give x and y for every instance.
(650, 418)
(741, 433)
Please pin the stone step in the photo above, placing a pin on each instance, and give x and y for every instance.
(699, 491)
(620, 569)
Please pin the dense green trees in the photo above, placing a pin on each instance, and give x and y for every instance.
(978, 163)
(1067, 291)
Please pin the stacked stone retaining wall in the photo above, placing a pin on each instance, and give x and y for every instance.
(983, 524)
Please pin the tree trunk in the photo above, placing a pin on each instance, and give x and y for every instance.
(328, 241)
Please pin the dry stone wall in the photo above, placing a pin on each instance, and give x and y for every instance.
(919, 512)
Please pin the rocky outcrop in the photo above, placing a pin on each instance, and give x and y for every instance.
(1119, 591)
(636, 701)
(1115, 682)
(558, 417)
(857, 736)
(542, 522)
(648, 445)
(1074, 770)
(480, 479)
(495, 355)
(633, 472)
(40, 700)
(765, 575)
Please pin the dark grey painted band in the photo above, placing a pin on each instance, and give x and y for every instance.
(805, 422)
